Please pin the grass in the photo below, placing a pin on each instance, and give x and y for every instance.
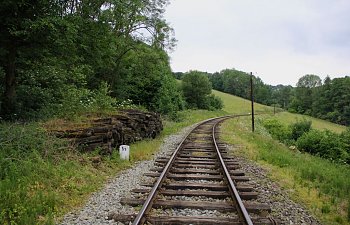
(288, 118)
(323, 187)
(42, 178)
(237, 105)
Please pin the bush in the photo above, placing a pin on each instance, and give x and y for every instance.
(299, 128)
(169, 99)
(214, 102)
(326, 144)
(345, 138)
(277, 130)
(101, 99)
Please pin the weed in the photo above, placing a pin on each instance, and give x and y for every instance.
(325, 208)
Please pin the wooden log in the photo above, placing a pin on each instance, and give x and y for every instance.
(88, 140)
(103, 121)
(73, 133)
(103, 129)
(103, 146)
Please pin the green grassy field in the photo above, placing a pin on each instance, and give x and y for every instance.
(237, 105)
(289, 118)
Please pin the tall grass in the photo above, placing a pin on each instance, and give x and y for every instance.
(301, 172)
(42, 177)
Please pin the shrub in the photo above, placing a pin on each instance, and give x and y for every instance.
(310, 141)
(299, 128)
(214, 102)
(101, 99)
(345, 138)
(169, 98)
(277, 130)
(74, 101)
(326, 144)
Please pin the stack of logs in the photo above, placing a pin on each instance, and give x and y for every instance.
(107, 133)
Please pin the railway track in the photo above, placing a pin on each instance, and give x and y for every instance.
(201, 179)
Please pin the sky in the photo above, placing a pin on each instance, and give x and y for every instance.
(278, 40)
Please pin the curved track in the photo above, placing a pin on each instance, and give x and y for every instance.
(200, 176)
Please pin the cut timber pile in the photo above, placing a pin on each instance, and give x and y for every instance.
(106, 133)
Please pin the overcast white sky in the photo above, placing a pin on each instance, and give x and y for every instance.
(278, 40)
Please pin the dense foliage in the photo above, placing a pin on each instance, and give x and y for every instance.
(238, 83)
(329, 100)
(59, 56)
(197, 91)
(326, 144)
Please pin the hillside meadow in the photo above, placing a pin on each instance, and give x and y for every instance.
(321, 186)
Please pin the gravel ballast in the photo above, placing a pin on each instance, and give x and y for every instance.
(106, 201)
(283, 208)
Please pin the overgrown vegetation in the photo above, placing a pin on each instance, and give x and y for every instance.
(42, 177)
(321, 185)
(38, 175)
(58, 58)
(326, 144)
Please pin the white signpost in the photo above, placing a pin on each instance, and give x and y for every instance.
(124, 152)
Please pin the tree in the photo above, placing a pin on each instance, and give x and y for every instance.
(282, 95)
(309, 81)
(196, 87)
(304, 93)
(145, 78)
(217, 81)
(79, 42)
(20, 23)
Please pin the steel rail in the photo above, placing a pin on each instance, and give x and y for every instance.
(140, 218)
(242, 211)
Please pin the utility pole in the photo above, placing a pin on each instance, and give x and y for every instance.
(252, 99)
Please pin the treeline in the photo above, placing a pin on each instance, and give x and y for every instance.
(61, 57)
(328, 99)
(238, 83)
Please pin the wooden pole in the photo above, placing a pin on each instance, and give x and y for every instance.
(252, 100)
